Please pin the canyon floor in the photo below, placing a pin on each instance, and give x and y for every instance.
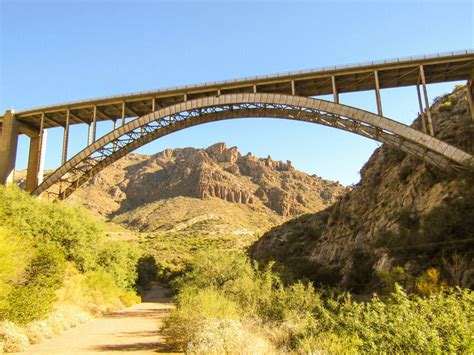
(133, 330)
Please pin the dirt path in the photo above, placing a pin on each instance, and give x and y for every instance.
(131, 331)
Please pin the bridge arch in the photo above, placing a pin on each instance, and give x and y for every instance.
(142, 130)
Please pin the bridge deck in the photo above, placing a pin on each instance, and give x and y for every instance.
(392, 73)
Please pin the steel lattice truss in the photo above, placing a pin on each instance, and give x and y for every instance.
(88, 163)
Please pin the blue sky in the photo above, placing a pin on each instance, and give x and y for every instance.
(57, 51)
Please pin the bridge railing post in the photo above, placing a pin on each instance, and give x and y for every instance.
(8, 146)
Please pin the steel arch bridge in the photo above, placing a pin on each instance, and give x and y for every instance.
(111, 147)
(285, 95)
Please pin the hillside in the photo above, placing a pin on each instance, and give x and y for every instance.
(402, 213)
(189, 188)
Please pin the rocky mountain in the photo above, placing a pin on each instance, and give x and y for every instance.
(402, 213)
(179, 187)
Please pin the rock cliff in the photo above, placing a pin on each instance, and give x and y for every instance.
(401, 213)
(273, 188)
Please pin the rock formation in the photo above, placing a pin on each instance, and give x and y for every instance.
(214, 172)
(402, 213)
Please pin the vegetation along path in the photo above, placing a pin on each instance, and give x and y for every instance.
(133, 330)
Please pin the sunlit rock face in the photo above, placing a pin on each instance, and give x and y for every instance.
(215, 172)
(399, 208)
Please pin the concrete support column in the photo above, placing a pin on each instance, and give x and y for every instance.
(377, 93)
(427, 101)
(335, 94)
(422, 111)
(94, 124)
(88, 134)
(65, 138)
(123, 113)
(35, 172)
(36, 157)
(8, 145)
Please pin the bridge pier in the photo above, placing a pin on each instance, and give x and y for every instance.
(335, 94)
(65, 138)
(36, 156)
(8, 146)
(377, 93)
(427, 101)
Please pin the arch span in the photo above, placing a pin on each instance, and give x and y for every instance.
(116, 144)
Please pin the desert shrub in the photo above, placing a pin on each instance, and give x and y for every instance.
(452, 220)
(38, 331)
(445, 106)
(455, 266)
(210, 268)
(394, 155)
(297, 318)
(26, 304)
(14, 338)
(63, 318)
(391, 278)
(96, 292)
(326, 194)
(119, 258)
(406, 324)
(453, 98)
(14, 256)
(195, 307)
(329, 343)
(53, 236)
(33, 297)
(405, 172)
(73, 229)
(429, 282)
(227, 337)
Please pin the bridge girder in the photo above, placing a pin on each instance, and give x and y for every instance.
(111, 147)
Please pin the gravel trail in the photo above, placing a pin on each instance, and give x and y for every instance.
(133, 330)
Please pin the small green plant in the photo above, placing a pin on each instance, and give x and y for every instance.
(445, 106)
(429, 282)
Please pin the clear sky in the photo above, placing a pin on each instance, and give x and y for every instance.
(57, 51)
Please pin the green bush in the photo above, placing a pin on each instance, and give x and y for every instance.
(195, 308)
(43, 244)
(120, 258)
(33, 296)
(28, 303)
(14, 256)
(297, 318)
(73, 229)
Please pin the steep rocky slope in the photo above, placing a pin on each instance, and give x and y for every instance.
(214, 186)
(402, 213)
